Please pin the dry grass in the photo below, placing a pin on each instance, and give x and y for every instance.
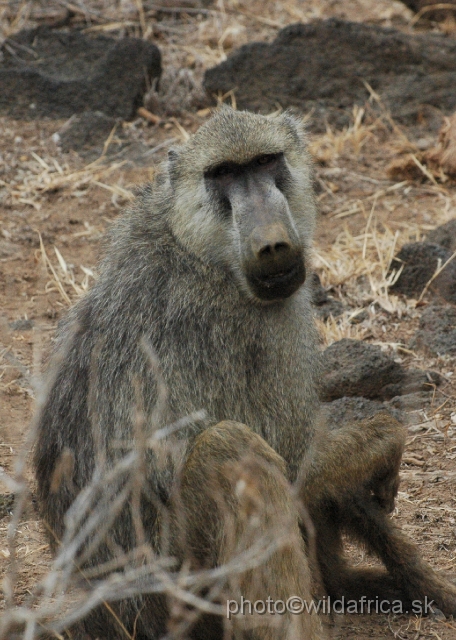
(356, 268)
(42, 175)
(63, 277)
(351, 139)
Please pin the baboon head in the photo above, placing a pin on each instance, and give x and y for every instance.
(243, 199)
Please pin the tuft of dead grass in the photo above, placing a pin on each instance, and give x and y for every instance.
(63, 277)
(330, 146)
(438, 164)
(357, 269)
(46, 175)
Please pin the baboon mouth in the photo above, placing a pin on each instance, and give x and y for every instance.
(279, 284)
(279, 278)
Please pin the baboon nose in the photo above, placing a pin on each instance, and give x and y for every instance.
(270, 241)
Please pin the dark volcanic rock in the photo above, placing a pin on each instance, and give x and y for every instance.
(410, 402)
(323, 66)
(445, 235)
(437, 331)
(21, 325)
(356, 368)
(413, 381)
(86, 130)
(359, 369)
(421, 260)
(346, 411)
(329, 308)
(58, 73)
(6, 504)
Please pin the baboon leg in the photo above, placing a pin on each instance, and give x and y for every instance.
(234, 496)
(406, 576)
(338, 577)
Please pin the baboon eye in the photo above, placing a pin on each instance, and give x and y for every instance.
(222, 170)
(267, 158)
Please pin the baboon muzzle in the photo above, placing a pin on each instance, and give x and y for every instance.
(276, 268)
(273, 257)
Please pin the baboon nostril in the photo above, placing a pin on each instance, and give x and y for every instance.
(281, 246)
(269, 241)
(272, 249)
(265, 251)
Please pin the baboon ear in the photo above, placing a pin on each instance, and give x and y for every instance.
(172, 155)
(296, 126)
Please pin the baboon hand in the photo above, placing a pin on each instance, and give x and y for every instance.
(384, 489)
(388, 440)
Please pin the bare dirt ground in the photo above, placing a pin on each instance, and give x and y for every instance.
(55, 207)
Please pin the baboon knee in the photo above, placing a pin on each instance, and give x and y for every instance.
(240, 513)
(231, 476)
(226, 443)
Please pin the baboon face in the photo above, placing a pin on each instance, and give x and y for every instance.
(248, 200)
(252, 194)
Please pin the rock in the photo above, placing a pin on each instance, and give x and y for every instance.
(331, 308)
(437, 331)
(356, 368)
(319, 295)
(57, 73)
(6, 504)
(88, 132)
(85, 131)
(324, 305)
(323, 66)
(21, 325)
(8, 249)
(445, 235)
(413, 381)
(411, 402)
(421, 260)
(345, 411)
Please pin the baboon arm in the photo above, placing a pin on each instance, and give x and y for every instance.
(402, 558)
(362, 455)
